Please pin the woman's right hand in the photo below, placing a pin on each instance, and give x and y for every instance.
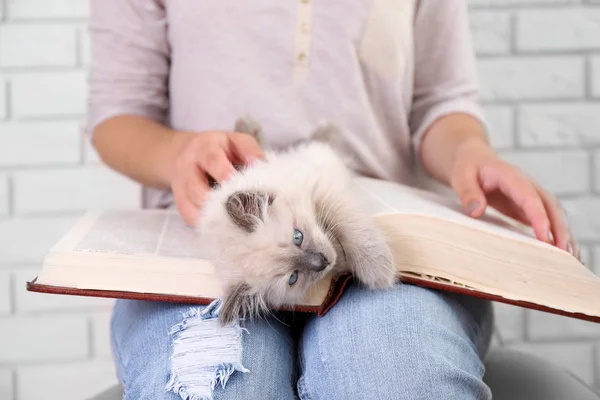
(211, 153)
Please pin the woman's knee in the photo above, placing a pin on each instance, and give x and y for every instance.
(141, 347)
(180, 351)
(405, 342)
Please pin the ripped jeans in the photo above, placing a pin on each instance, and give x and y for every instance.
(407, 342)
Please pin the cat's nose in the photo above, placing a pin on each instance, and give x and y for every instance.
(317, 262)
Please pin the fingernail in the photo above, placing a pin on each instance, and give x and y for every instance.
(472, 206)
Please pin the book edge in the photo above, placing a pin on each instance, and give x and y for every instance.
(337, 288)
(32, 286)
(492, 297)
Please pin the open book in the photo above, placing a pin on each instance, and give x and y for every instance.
(153, 255)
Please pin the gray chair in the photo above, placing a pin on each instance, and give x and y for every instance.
(112, 393)
(511, 375)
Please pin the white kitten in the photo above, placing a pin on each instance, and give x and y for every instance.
(280, 225)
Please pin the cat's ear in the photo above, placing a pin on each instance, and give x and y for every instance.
(235, 303)
(327, 132)
(247, 124)
(247, 209)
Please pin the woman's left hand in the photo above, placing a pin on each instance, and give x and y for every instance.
(481, 178)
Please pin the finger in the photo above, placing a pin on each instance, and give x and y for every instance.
(559, 226)
(187, 210)
(466, 185)
(245, 147)
(214, 161)
(520, 190)
(506, 206)
(196, 186)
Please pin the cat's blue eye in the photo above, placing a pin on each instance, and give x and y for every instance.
(293, 278)
(298, 237)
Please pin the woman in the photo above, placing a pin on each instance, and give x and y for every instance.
(169, 78)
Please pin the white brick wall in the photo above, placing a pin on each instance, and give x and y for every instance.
(597, 171)
(586, 255)
(51, 347)
(3, 96)
(43, 338)
(32, 45)
(543, 91)
(57, 381)
(572, 178)
(583, 216)
(5, 293)
(57, 94)
(558, 29)
(532, 78)
(46, 9)
(101, 336)
(6, 384)
(540, 71)
(76, 188)
(559, 124)
(39, 143)
(4, 195)
(26, 240)
(500, 120)
(596, 76)
(491, 32)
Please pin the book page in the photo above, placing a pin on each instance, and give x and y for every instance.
(154, 233)
(123, 232)
(482, 261)
(383, 197)
(179, 240)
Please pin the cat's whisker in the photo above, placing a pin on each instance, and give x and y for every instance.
(274, 316)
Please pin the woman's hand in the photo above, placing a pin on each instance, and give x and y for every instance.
(214, 153)
(159, 157)
(481, 178)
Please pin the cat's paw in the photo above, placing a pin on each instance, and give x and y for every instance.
(377, 271)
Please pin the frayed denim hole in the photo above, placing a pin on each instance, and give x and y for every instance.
(205, 354)
(303, 393)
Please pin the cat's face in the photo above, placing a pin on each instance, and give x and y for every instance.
(274, 249)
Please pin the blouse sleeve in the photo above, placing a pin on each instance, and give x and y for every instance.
(129, 60)
(446, 78)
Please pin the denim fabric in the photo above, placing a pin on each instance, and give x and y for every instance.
(404, 343)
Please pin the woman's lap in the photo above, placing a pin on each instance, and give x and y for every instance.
(408, 342)
(143, 346)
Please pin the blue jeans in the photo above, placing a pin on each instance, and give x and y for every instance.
(404, 343)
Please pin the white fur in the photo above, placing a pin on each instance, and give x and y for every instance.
(309, 183)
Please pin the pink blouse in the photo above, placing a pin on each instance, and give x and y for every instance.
(384, 70)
